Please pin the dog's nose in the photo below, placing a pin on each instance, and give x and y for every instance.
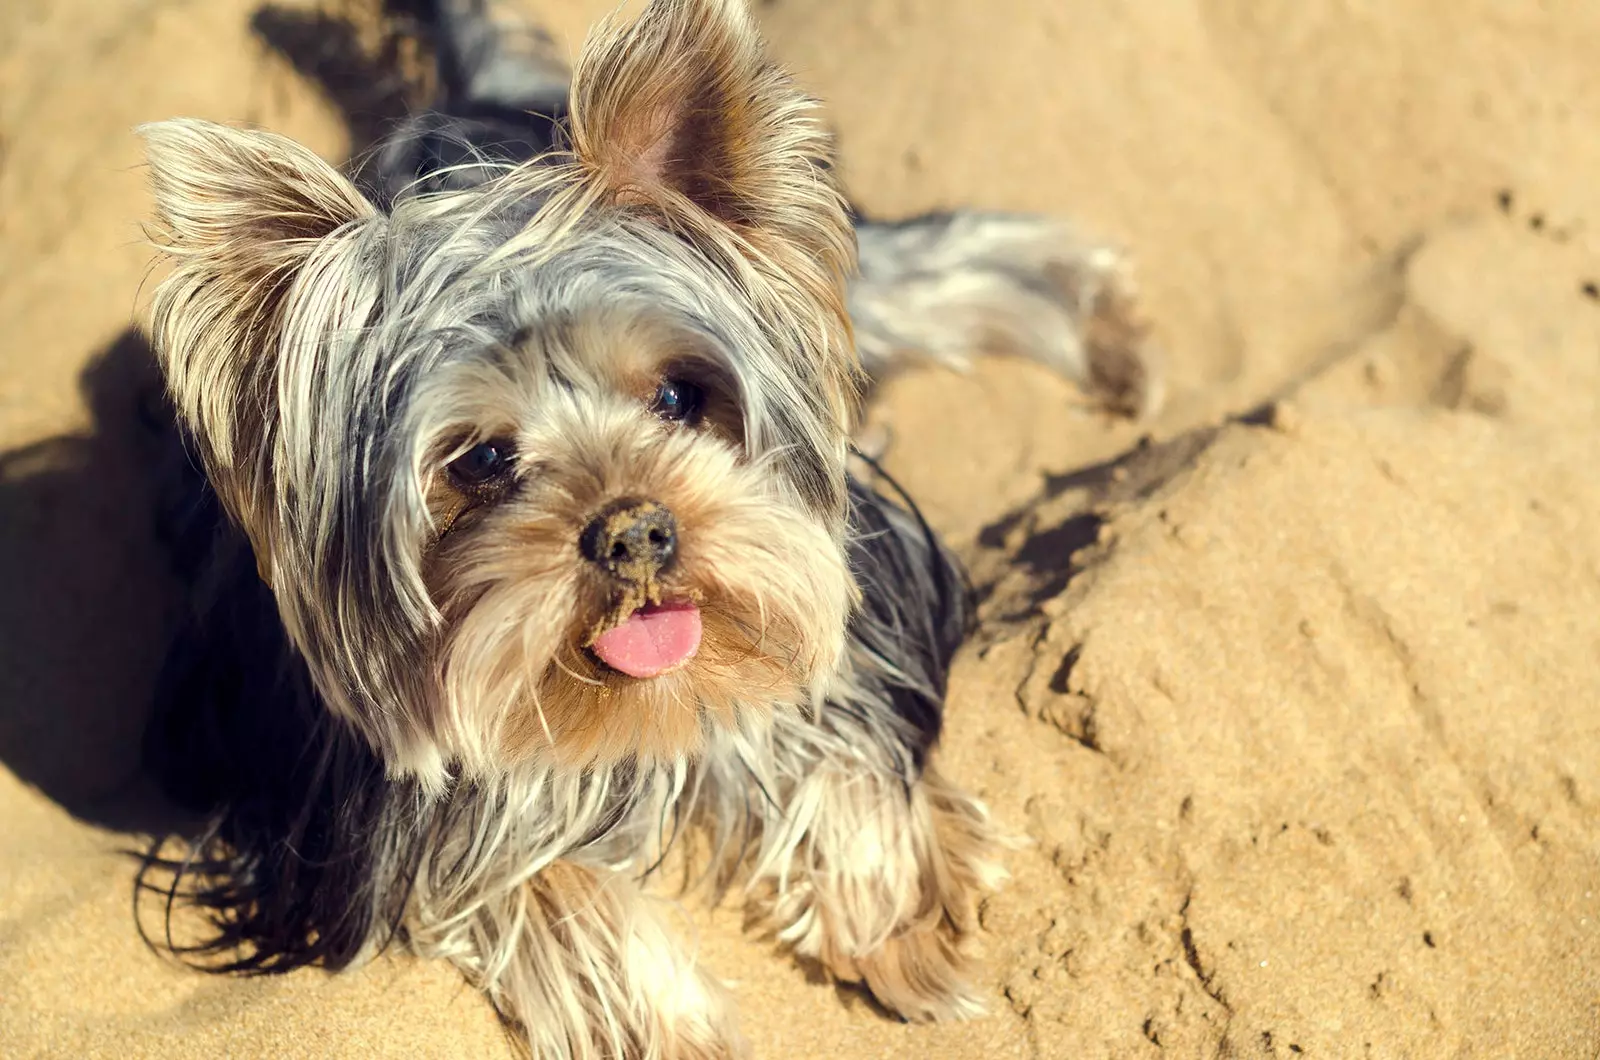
(633, 540)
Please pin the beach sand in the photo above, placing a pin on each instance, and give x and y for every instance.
(1293, 691)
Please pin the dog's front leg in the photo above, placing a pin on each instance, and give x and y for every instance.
(577, 961)
(873, 872)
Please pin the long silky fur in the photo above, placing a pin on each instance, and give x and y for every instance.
(312, 854)
(347, 743)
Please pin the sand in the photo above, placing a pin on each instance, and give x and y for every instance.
(1294, 691)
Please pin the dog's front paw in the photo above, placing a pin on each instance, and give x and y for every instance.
(921, 970)
(890, 891)
(704, 1044)
(921, 974)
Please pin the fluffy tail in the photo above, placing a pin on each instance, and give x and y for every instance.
(947, 287)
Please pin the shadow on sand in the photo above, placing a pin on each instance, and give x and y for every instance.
(87, 598)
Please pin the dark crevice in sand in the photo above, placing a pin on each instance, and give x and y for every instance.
(1061, 680)
(1031, 555)
(1020, 692)
(1079, 726)
(1207, 980)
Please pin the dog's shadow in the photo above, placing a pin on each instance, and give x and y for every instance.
(87, 603)
(86, 606)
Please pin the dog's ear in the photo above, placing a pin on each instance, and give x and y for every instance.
(260, 232)
(682, 113)
(684, 106)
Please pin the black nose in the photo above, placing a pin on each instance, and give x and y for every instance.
(631, 539)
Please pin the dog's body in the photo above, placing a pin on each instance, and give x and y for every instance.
(547, 545)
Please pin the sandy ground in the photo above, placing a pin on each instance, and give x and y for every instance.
(1296, 699)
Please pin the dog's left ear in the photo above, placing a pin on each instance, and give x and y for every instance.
(682, 114)
(262, 235)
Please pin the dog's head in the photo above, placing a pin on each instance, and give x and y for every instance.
(552, 468)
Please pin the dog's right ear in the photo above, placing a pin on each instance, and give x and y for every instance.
(260, 232)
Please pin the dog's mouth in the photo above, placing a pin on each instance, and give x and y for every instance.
(655, 639)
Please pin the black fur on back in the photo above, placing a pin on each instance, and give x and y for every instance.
(916, 608)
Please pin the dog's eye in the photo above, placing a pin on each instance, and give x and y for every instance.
(482, 464)
(678, 401)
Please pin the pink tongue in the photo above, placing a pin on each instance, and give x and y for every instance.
(652, 641)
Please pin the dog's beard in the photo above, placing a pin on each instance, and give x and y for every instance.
(519, 681)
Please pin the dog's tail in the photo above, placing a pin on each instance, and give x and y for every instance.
(948, 287)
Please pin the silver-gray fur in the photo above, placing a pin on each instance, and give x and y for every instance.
(329, 357)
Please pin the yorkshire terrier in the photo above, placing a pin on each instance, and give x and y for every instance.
(545, 544)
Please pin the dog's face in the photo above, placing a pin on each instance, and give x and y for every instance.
(550, 469)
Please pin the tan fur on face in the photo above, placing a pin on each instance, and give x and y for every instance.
(520, 601)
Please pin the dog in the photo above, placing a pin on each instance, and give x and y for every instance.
(526, 535)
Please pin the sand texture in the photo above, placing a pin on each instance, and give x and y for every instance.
(1294, 692)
